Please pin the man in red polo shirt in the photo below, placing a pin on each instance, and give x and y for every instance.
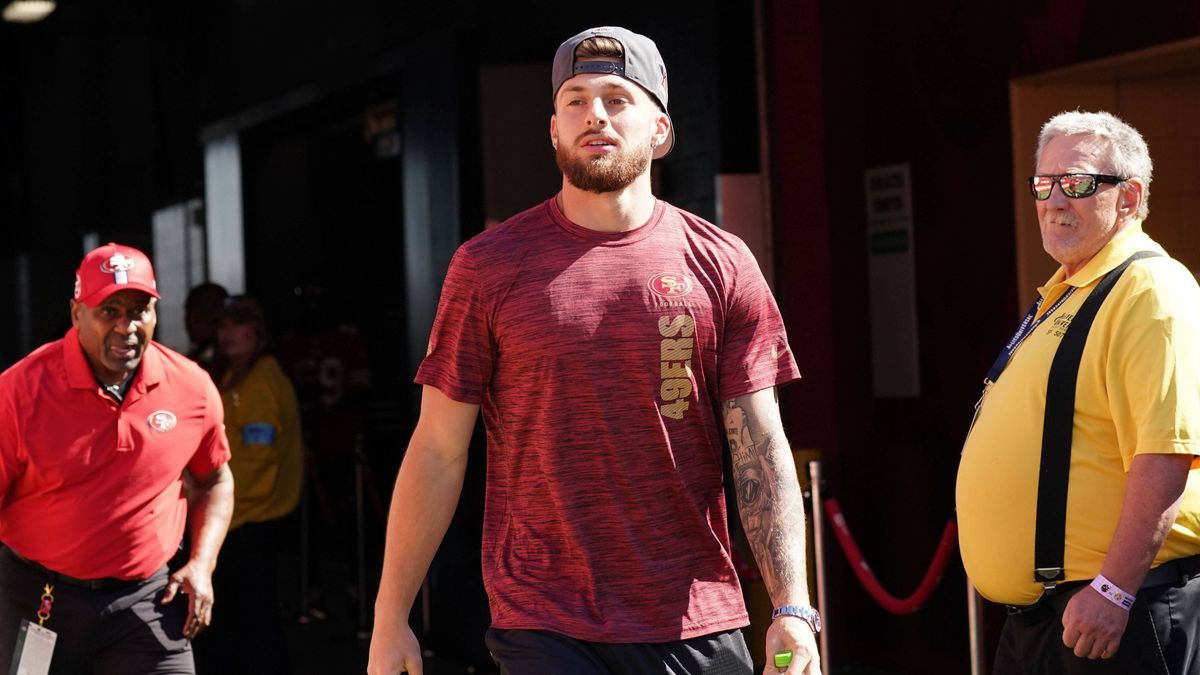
(97, 433)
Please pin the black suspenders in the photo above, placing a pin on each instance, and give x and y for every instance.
(1050, 538)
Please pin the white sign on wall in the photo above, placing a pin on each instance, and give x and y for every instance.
(892, 282)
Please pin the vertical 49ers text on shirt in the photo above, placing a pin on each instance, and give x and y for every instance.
(676, 357)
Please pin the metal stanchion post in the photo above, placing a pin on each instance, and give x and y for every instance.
(814, 473)
(974, 611)
(361, 533)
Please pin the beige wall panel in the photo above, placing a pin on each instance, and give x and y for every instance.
(1175, 165)
(1163, 225)
(1145, 105)
(740, 211)
(1185, 106)
(1187, 221)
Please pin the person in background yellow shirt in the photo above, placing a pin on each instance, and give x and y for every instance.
(1109, 494)
(263, 425)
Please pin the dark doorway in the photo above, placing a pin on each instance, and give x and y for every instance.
(324, 253)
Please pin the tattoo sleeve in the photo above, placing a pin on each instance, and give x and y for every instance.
(768, 493)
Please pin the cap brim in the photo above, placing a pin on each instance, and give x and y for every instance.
(102, 294)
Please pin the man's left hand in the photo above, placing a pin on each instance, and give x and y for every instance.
(789, 633)
(1093, 626)
(195, 582)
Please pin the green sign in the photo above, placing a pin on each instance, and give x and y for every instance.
(885, 242)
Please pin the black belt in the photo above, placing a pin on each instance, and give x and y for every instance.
(1168, 573)
(1173, 571)
(101, 584)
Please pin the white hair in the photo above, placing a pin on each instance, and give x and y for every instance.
(1128, 155)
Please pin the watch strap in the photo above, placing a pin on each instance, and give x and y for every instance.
(803, 612)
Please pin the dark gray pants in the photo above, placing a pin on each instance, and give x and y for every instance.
(1161, 638)
(535, 652)
(118, 631)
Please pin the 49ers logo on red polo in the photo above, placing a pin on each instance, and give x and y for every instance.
(161, 420)
(670, 285)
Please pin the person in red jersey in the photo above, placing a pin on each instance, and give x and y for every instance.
(615, 345)
(109, 444)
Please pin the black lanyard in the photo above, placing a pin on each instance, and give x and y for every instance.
(1028, 325)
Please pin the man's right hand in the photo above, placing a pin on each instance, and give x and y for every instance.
(1093, 626)
(788, 633)
(394, 650)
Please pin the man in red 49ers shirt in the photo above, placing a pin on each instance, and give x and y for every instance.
(611, 340)
(97, 431)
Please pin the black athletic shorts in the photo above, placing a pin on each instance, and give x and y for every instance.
(535, 652)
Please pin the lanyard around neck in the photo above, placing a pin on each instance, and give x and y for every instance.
(1028, 325)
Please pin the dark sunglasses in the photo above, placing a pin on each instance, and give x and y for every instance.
(1074, 185)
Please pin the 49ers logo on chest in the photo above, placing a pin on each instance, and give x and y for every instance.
(162, 421)
(670, 285)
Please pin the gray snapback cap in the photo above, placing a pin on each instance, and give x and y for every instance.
(643, 65)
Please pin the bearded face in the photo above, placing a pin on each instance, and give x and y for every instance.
(603, 173)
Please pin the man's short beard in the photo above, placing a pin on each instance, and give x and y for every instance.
(602, 174)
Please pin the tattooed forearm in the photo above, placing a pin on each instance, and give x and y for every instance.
(768, 493)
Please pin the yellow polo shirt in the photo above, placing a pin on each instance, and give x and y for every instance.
(262, 421)
(1138, 392)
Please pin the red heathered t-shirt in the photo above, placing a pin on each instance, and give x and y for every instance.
(92, 488)
(600, 361)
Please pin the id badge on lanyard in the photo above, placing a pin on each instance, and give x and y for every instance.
(35, 642)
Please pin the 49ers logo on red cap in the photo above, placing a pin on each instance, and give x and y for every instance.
(162, 420)
(118, 266)
(670, 285)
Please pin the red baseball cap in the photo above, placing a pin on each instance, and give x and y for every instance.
(112, 268)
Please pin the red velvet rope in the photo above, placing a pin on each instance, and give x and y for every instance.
(861, 569)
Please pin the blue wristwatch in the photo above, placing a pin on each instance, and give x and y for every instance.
(803, 612)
